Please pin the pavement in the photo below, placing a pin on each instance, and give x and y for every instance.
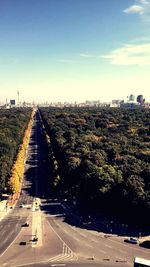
(3, 209)
(37, 226)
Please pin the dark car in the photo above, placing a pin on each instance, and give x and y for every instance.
(132, 240)
(22, 243)
(145, 244)
(25, 224)
(35, 239)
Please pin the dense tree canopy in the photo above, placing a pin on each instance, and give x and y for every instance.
(13, 123)
(103, 154)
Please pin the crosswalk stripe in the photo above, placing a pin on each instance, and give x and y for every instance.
(67, 254)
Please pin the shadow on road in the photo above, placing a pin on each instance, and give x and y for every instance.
(100, 223)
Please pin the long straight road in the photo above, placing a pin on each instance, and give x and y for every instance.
(63, 239)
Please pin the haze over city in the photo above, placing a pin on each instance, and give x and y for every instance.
(66, 50)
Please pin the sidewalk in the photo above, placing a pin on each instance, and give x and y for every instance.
(4, 209)
(7, 205)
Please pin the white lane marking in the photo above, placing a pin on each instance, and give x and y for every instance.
(50, 204)
(122, 251)
(64, 244)
(11, 243)
(65, 231)
(83, 235)
(55, 258)
(66, 254)
(107, 246)
(55, 215)
(127, 246)
(93, 240)
(90, 246)
(59, 264)
(102, 251)
(61, 258)
(111, 240)
(79, 234)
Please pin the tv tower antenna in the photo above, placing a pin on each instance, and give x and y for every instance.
(18, 97)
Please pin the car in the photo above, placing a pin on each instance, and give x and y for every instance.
(26, 224)
(145, 244)
(132, 240)
(35, 239)
(22, 243)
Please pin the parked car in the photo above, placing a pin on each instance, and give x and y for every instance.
(145, 244)
(132, 240)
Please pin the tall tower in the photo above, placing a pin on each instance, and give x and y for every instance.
(18, 97)
(140, 99)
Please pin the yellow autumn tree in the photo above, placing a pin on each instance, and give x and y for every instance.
(17, 170)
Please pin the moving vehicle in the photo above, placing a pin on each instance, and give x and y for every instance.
(35, 239)
(139, 262)
(26, 224)
(22, 243)
(132, 240)
(28, 206)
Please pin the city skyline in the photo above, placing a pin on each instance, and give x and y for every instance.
(74, 50)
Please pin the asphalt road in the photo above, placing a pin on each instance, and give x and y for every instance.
(11, 225)
(65, 239)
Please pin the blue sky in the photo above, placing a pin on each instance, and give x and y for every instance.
(74, 50)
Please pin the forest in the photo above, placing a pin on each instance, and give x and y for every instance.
(101, 158)
(13, 123)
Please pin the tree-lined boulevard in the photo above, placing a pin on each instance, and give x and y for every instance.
(66, 237)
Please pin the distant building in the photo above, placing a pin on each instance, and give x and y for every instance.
(116, 103)
(146, 105)
(129, 105)
(12, 102)
(131, 98)
(94, 103)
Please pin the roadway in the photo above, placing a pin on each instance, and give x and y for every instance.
(64, 238)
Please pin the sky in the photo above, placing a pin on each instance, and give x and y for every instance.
(74, 50)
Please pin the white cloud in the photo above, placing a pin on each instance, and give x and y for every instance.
(130, 54)
(87, 55)
(66, 61)
(134, 9)
(141, 7)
